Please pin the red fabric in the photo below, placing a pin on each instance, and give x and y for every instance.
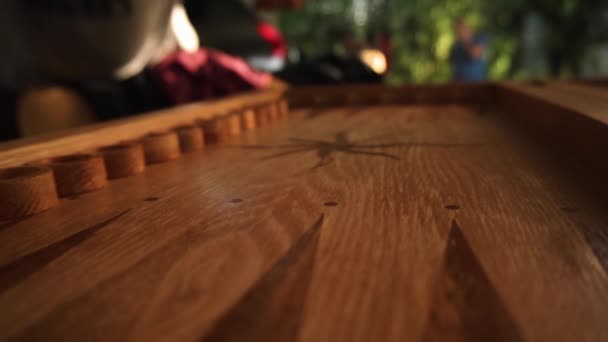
(206, 74)
(274, 37)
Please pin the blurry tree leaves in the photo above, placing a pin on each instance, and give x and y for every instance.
(422, 32)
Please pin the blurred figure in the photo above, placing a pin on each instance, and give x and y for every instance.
(352, 62)
(69, 63)
(78, 61)
(468, 54)
(235, 28)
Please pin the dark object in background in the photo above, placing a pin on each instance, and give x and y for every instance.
(205, 74)
(8, 122)
(234, 28)
(61, 43)
(330, 69)
(85, 39)
(227, 25)
(113, 99)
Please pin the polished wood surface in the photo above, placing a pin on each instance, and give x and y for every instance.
(572, 117)
(358, 223)
(585, 99)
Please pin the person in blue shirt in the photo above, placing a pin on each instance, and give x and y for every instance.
(468, 54)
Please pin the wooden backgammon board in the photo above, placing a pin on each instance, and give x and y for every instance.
(356, 213)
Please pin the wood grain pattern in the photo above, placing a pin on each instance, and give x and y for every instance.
(273, 307)
(124, 159)
(248, 119)
(216, 130)
(26, 191)
(79, 173)
(191, 138)
(569, 116)
(586, 100)
(160, 147)
(374, 223)
(465, 305)
(20, 269)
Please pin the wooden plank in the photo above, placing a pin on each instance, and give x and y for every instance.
(569, 117)
(366, 94)
(89, 137)
(132, 243)
(347, 224)
(588, 101)
(595, 82)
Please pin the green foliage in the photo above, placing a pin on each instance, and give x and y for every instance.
(422, 31)
(315, 27)
(423, 35)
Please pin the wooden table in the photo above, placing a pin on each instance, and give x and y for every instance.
(440, 213)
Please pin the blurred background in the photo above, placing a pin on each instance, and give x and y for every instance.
(527, 38)
(66, 63)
